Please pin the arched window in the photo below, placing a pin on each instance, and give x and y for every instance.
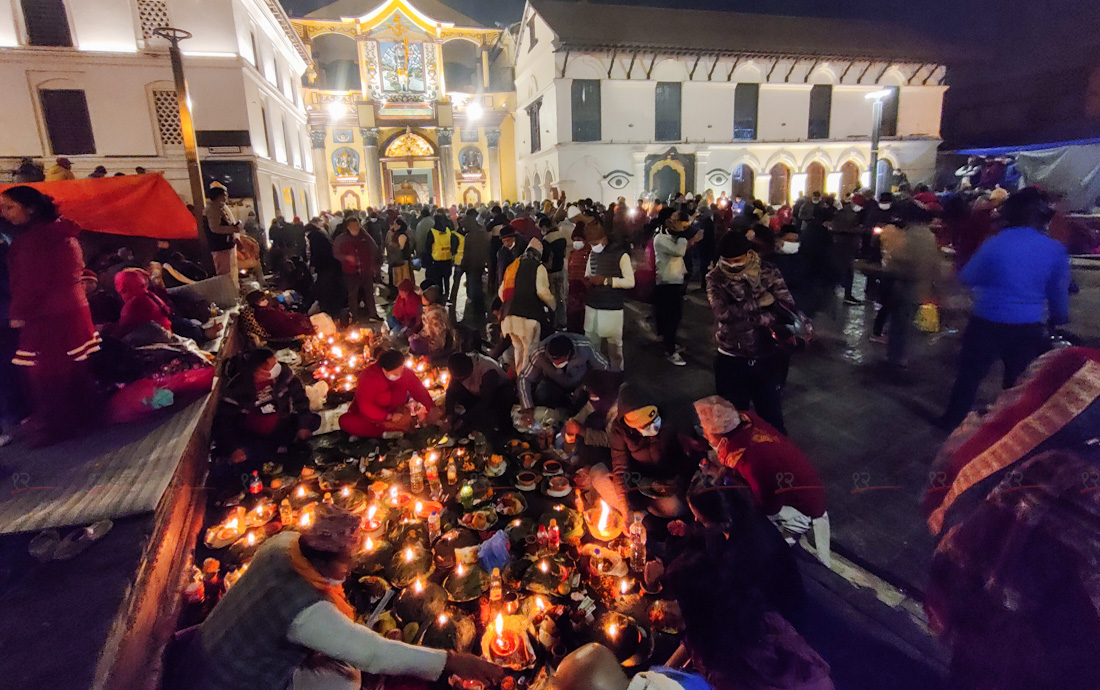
(849, 178)
(337, 59)
(779, 188)
(815, 178)
(744, 182)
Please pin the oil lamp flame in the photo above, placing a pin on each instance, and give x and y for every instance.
(301, 492)
(345, 492)
(613, 631)
(369, 545)
(624, 586)
(460, 570)
(306, 519)
(605, 513)
(419, 508)
(499, 625)
(418, 586)
(232, 524)
(443, 618)
(250, 539)
(371, 512)
(540, 603)
(544, 566)
(409, 555)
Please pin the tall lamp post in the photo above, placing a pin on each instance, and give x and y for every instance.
(877, 98)
(187, 126)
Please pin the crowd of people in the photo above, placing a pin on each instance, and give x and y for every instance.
(540, 338)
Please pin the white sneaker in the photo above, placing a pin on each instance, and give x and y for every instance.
(676, 360)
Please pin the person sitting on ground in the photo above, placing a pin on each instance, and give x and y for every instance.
(177, 270)
(405, 316)
(782, 480)
(382, 393)
(731, 635)
(595, 667)
(644, 453)
(554, 373)
(590, 428)
(287, 623)
(480, 395)
(274, 321)
(264, 412)
(139, 305)
(436, 334)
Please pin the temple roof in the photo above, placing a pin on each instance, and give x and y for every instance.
(435, 9)
(604, 26)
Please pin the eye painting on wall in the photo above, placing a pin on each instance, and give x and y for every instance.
(402, 66)
(342, 136)
(345, 162)
(617, 179)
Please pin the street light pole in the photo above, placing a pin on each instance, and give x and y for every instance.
(877, 97)
(187, 126)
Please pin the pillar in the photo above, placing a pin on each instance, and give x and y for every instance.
(833, 181)
(762, 188)
(798, 185)
(447, 183)
(321, 169)
(495, 189)
(371, 167)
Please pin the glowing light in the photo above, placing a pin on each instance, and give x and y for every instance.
(419, 508)
(879, 95)
(418, 586)
(393, 494)
(474, 111)
(499, 625)
(371, 512)
(433, 456)
(544, 566)
(345, 492)
(301, 492)
(369, 545)
(624, 586)
(540, 603)
(443, 618)
(232, 524)
(605, 513)
(305, 520)
(409, 555)
(336, 110)
(613, 630)
(250, 539)
(410, 363)
(337, 351)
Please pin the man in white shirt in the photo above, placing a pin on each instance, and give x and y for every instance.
(287, 624)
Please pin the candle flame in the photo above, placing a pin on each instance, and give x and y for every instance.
(345, 492)
(232, 524)
(337, 351)
(306, 519)
(371, 511)
(613, 630)
(393, 493)
(259, 509)
(443, 618)
(605, 513)
(250, 539)
(410, 363)
(499, 625)
(301, 493)
(540, 603)
(409, 555)
(420, 367)
(419, 507)
(544, 566)
(624, 586)
(460, 570)
(418, 586)
(434, 456)
(369, 545)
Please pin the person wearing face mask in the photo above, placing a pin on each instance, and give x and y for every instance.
(508, 252)
(359, 256)
(748, 298)
(644, 450)
(272, 321)
(264, 410)
(382, 394)
(609, 275)
(793, 265)
(480, 395)
(554, 373)
(287, 623)
(555, 241)
(576, 264)
(670, 245)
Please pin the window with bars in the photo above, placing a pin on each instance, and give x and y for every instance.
(667, 123)
(47, 23)
(153, 14)
(536, 127)
(68, 123)
(821, 105)
(746, 102)
(168, 117)
(890, 112)
(586, 110)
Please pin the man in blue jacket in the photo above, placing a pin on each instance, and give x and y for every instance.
(1015, 275)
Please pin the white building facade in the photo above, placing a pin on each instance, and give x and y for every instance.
(87, 80)
(610, 105)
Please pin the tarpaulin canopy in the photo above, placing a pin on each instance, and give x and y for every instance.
(1070, 170)
(134, 205)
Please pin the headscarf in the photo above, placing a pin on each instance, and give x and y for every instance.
(717, 415)
(750, 274)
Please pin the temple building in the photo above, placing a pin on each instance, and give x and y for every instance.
(626, 101)
(409, 104)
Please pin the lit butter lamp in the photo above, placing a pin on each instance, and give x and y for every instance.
(623, 636)
(373, 523)
(604, 523)
(506, 643)
(221, 536)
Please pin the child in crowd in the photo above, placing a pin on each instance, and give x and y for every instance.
(436, 335)
(407, 307)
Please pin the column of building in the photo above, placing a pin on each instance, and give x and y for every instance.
(320, 168)
(447, 181)
(372, 167)
(492, 136)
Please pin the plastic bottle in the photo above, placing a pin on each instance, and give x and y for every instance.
(255, 485)
(542, 540)
(496, 588)
(452, 472)
(416, 474)
(637, 540)
(433, 526)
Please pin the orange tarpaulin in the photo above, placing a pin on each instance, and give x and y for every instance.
(134, 205)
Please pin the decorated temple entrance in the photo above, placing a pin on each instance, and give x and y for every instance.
(410, 169)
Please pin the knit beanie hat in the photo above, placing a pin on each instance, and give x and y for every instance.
(335, 530)
(733, 244)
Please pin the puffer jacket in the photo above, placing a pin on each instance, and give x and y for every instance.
(742, 325)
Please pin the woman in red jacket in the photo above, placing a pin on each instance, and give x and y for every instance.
(381, 396)
(139, 305)
(50, 309)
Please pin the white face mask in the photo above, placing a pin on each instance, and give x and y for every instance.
(652, 429)
(275, 371)
(789, 248)
(857, 208)
(597, 248)
(560, 365)
(884, 207)
(331, 581)
(578, 244)
(393, 377)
